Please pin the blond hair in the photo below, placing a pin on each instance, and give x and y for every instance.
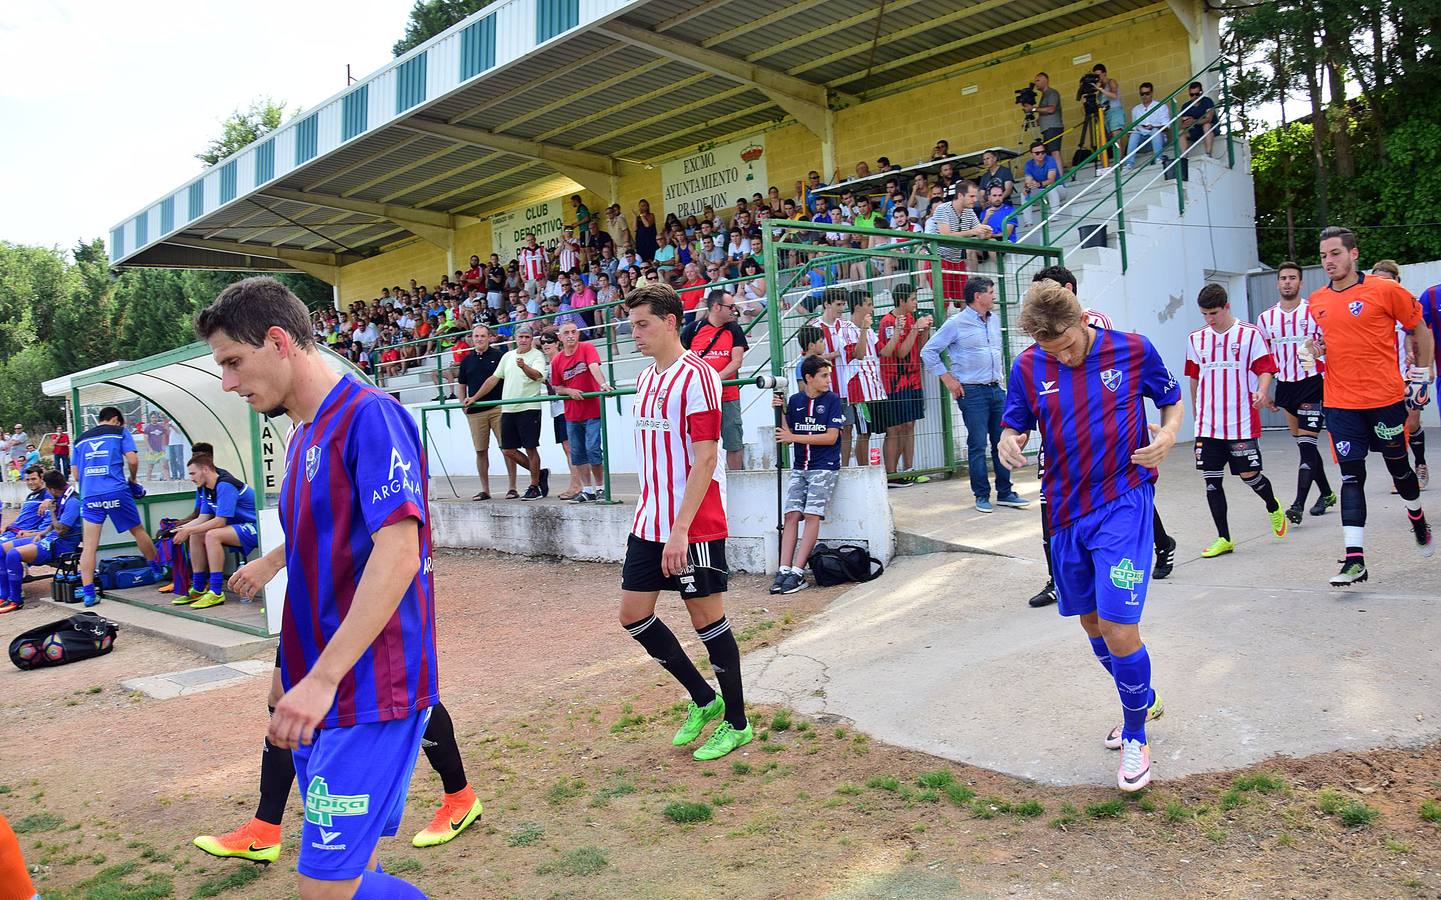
(1049, 311)
(1389, 267)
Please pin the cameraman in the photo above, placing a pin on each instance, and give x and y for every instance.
(1050, 118)
(1110, 90)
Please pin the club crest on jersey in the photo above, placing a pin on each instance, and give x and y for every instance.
(1355, 307)
(312, 463)
(1111, 378)
(1343, 447)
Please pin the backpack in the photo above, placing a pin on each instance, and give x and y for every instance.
(843, 564)
(81, 636)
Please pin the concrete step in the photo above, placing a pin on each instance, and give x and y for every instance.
(213, 641)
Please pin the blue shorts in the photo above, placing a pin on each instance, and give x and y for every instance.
(1102, 561)
(119, 507)
(354, 782)
(584, 437)
(46, 551)
(1354, 432)
(9, 537)
(249, 537)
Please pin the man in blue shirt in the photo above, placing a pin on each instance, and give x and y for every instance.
(1041, 171)
(62, 536)
(30, 523)
(812, 425)
(102, 456)
(972, 342)
(997, 211)
(227, 519)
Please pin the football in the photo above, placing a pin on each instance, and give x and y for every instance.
(27, 651)
(54, 650)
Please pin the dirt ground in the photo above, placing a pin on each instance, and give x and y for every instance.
(565, 727)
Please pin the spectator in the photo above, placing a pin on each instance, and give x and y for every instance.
(710, 254)
(14, 446)
(864, 387)
(738, 249)
(995, 174)
(473, 277)
(582, 300)
(919, 201)
(901, 336)
(1049, 118)
(753, 289)
(567, 251)
(533, 264)
(1148, 123)
(606, 294)
(617, 226)
(595, 240)
(811, 343)
(174, 452)
(692, 290)
(812, 425)
(549, 344)
(645, 231)
(575, 370)
(522, 371)
(157, 435)
(61, 451)
(839, 334)
(666, 258)
(1115, 109)
(719, 341)
(813, 184)
(997, 213)
(1198, 119)
(957, 218)
(1042, 171)
(494, 283)
(583, 217)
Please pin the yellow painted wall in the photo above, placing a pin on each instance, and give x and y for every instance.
(1149, 45)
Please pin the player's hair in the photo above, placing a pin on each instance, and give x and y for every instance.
(807, 335)
(246, 311)
(1035, 144)
(1288, 264)
(110, 412)
(856, 298)
(811, 366)
(54, 480)
(660, 298)
(1388, 266)
(1049, 311)
(36, 469)
(1346, 235)
(1059, 274)
(977, 284)
(1212, 296)
(203, 447)
(834, 295)
(902, 292)
(203, 460)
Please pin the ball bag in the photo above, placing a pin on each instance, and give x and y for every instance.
(79, 637)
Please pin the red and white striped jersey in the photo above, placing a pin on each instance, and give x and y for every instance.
(532, 263)
(674, 409)
(837, 337)
(567, 255)
(1227, 367)
(1097, 318)
(1401, 351)
(865, 383)
(1285, 332)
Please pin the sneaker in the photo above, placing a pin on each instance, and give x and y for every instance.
(1045, 597)
(1135, 770)
(795, 583)
(91, 601)
(983, 505)
(723, 740)
(1324, 503)
(545, 482)
(696, 719)
(780, 580)
(11, 606)
(1294, 512)
(532, 493)
(1222, 545)
(921, 479)
(207, 600)
(582, 497)
(1013, 500)
(256, 841)
(1113, 740)
(1278, 522)
(1421, 530)
(190, 597)
(1351, 573)
(1423, 475)
(454, 816)
(1165, 560)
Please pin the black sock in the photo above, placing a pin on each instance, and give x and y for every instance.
(1216, 499)
(725, 658)
(1046, 538)
(1418, 446)
(1308, 467)
(1353, 494)
(1163, 540)
(1262, 486)
(663, 647)
(277, 774)
(1403, 476)
(440, 748)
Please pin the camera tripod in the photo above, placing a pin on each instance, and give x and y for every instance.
(1093, 134)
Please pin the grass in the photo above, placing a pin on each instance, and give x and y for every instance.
(1216, 835)
(1233, 799)
(1030, 809)
(1395, 846)
(848, 789)
(959, 794)
(685, 812)
(1176, 811)
(937, 780)
(741, 768)
(565, 789)
(1068, 816)
(581, 861)
(989, 808)
(1110, 809)
(603, 796)
(1330, 801)
(1431, 812)
(1356, 814)
(114, 884)
(1259, 782)
(627, 721)
(525, 834)
(235, 878)
(41, 821)
(781, 721)
(883, 783)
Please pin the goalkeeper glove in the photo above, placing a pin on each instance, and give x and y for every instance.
(1418, 387)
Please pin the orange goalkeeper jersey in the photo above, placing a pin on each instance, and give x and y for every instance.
(1359, 328)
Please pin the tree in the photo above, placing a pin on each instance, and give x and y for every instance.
(430, 17)
(243, 127)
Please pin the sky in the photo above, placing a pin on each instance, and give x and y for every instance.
(103, 105)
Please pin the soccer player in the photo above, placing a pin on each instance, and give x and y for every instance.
(1431, 315)
(29, 524)
(61, 536)
(357, 642)
(1231, 369)
(1165, 544)
(677, 540)
(228, 520)
(1286, 327)
(1085, 389)
(1406, 357)
(102, 455)
(1366, 399)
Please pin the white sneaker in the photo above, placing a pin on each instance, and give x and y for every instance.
(1135, 770)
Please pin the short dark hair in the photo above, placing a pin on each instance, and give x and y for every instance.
(977, 284)
(715, 296)
(964, 186)
(1195, 84)
(54, 480)
(1035, 144)
(856, 298)
(36, 469)
(203, 447)
(1288, 264)
(246, 311)
(902, 292)
(807, 335)
(1098, 67)
(1059, 274)
(110, 412)
(203, 460)
(661, 298)
(1347, 236)
(834, 295)
(811, 366)
(1212, 296)
(1147, 84)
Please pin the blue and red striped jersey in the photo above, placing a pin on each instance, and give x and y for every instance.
(1091, 418)
(1431, 310)
(355, 469)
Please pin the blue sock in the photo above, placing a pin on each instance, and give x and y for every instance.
(197, 581)
(87, 591)
(156, 569)
(217, 582)
(1133, 683)
(1103, 654)
(379, 886)
(14, 576)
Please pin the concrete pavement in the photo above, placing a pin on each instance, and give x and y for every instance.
(1253, 653)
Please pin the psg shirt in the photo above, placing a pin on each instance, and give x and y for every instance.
(355, 469)
(100, 460)
(1091, 418)
(810, 416)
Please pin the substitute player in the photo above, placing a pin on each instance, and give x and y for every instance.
(1366, 399)
(1085, 388)
(1406, 357)
(357, 641)
(677, 540)
(1287, 327)
(102, 456)
(61, 535)
(1231, 369)
(28, 524)
(227, 520)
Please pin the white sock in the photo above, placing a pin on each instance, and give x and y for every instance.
(1414, 505)
(1354, 535)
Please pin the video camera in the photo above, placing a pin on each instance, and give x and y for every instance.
(1027, 96)
(1089, 90)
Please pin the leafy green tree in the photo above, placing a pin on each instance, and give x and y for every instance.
(243, 127)
(430, 17)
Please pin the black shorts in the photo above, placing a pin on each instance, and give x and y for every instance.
(562, 434)
(899, 407)
(520, 430)
(707, 573)
(1355, 431)
(1212, 455)
(1302, 399)
(1052, 138)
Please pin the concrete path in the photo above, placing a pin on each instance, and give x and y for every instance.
(1254, 654)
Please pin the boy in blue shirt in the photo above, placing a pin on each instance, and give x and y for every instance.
(226, 507)
(30, 524)
(102, 455)
(812, 425)
(62, 536)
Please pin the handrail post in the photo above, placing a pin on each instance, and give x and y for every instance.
(1120, 218)
(1226, 105)
(1177, 170)
(942, 310)
(605, 451)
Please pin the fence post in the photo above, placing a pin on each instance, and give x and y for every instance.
(1120, 218)
(1226, 105)
(605, 451)
(1176, 165)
